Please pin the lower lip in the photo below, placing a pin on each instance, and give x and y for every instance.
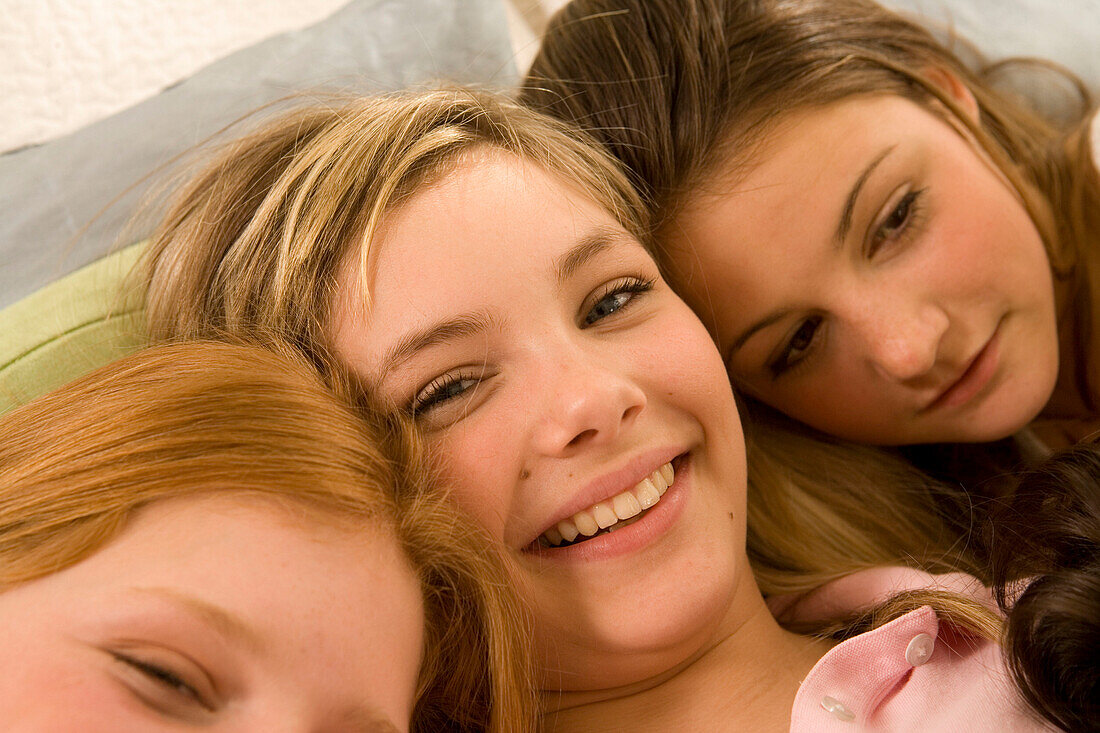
(633, 537)
(975, 379)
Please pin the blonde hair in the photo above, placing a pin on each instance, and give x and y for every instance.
(255, 240)
(180, 419)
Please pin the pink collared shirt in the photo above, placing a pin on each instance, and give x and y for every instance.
(916, 673)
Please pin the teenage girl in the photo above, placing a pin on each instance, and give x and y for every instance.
(202, 536)
(885, 246)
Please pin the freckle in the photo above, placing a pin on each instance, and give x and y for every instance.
(731, 515)
(524, 475)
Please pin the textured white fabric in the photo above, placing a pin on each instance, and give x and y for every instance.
(65, 64)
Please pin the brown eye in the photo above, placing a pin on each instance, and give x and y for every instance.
(896, 222)
(797, 347)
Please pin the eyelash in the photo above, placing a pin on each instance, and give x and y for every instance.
(632, 286)
(164, 678)
(435, 393)
(910, 208)
(783, 363)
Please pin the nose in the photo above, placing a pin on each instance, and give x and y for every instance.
(904, 339)
(589, 400)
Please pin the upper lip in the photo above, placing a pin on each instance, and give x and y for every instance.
(613, 483)
(961, 373)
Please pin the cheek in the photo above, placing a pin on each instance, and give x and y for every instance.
(479, 468)
(50, 689)
(689, 357)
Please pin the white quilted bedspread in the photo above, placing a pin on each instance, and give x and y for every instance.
(67, 63)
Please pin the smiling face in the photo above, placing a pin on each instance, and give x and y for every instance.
(556, 372)
(221, 612)
(876, 277)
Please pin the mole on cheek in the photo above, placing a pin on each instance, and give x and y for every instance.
(524, 475)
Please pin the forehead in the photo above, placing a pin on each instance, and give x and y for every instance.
(791, 186)
(493, 209)
(486, 236)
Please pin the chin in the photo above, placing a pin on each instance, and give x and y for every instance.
(636, 636)
(997, 421)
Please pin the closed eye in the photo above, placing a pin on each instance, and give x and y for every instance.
(165, 680)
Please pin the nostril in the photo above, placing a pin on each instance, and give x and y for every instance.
(631, 412)
(582, 437)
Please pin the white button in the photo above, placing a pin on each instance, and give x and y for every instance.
(919, 650)
(837, 708)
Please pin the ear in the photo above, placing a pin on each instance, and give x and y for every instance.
(947, 82)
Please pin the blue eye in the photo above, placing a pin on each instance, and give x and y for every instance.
(440, 390)
(617, 296)
(797, 347)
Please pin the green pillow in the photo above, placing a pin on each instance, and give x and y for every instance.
(70, 327)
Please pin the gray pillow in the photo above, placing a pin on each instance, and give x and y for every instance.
(50, 192)
(1064, 31)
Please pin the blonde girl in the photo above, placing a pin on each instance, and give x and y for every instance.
(886, 247)
(202, 534)
(483, 270)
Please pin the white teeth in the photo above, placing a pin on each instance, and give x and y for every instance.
(553, 535)
(648, 495)
(626, 505)
(567, 529)
(586, 525)
(606, 514)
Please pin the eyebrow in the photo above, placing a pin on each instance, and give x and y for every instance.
(845, 223)
(590, 246)
(225, 623)
(842, 229)
(462, 326)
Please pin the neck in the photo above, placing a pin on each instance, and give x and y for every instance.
(745, 679)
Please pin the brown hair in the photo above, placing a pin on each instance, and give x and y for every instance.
(1049, 530)
(76, 464)
(679, 90)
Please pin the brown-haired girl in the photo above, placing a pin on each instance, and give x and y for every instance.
(203, 535)
(886, 247)
(483, 270)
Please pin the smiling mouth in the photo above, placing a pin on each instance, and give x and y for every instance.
(615, 513)
(976, 376)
